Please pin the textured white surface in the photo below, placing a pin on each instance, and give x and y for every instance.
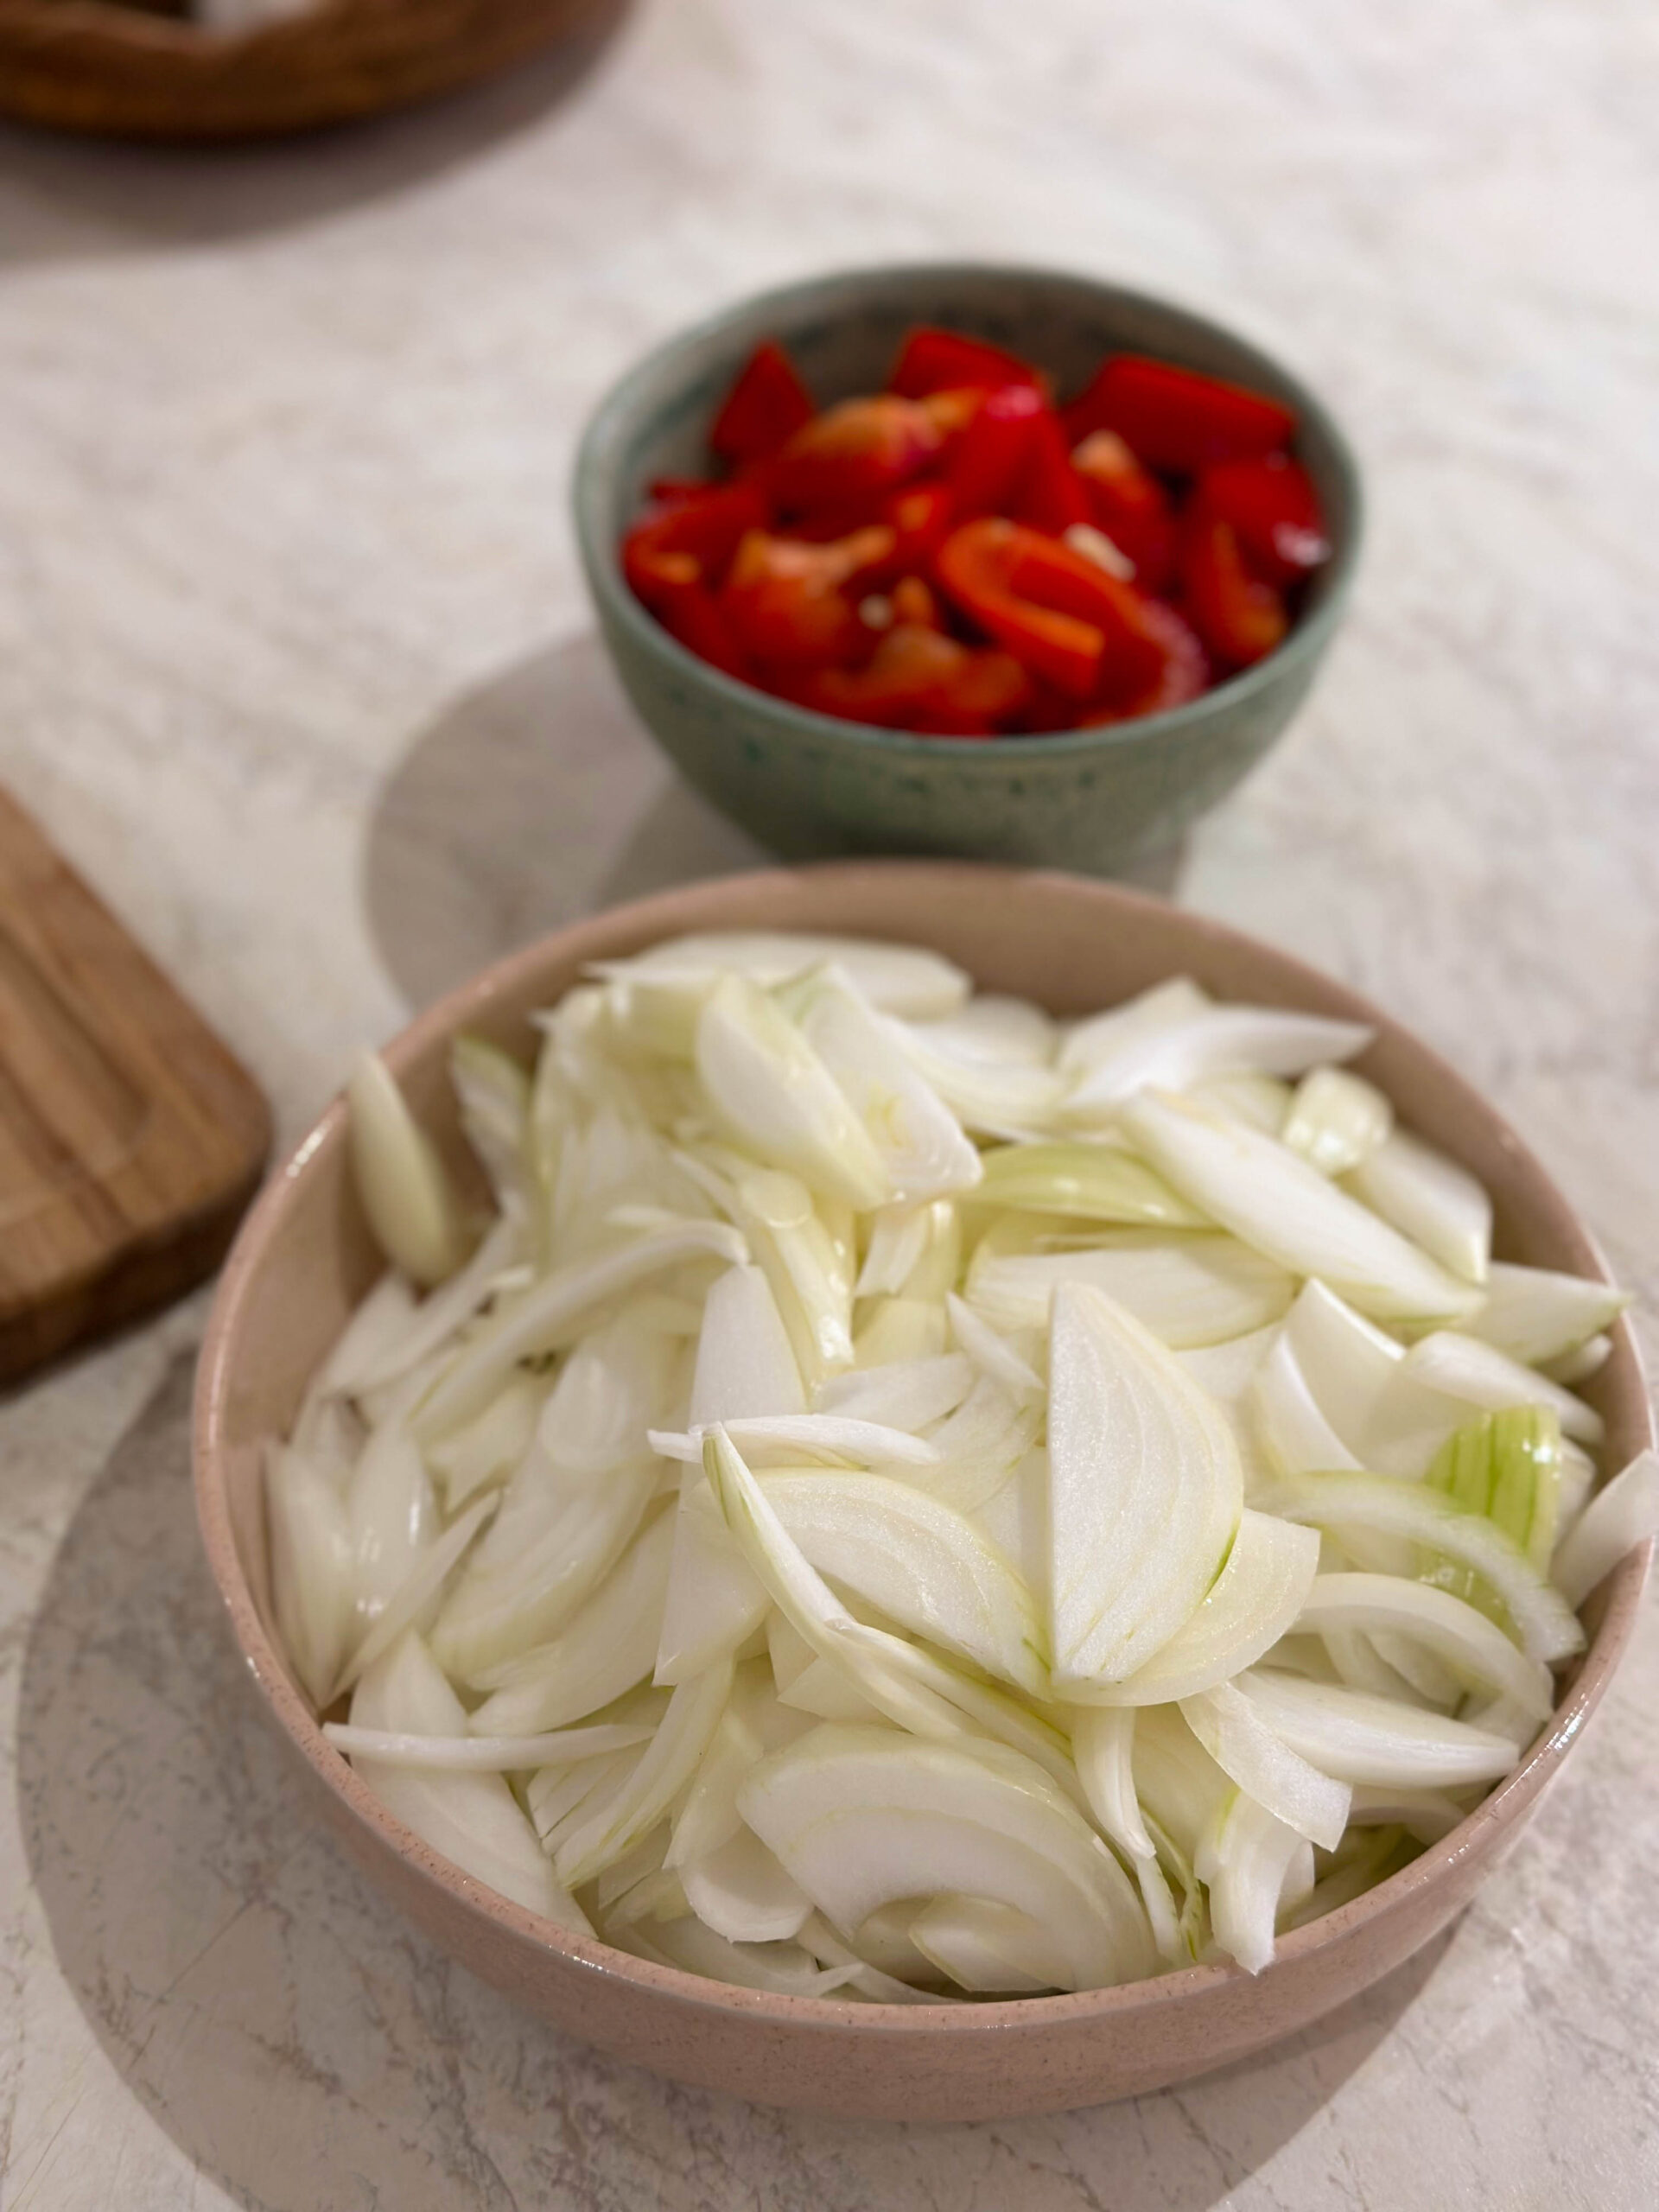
(294, 660)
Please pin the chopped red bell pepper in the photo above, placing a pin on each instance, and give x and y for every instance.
(691, 614)
(989, 459)
(855, 561)
(919, 517)
(704, 530)
(852, 451)
(1183, 676)
(1049, 606)
(932, 360)
(763, 410)
(914, 603)
(919, 680)
(951, 411)
(1131, 506)
(1239, 618)
(788, 603)
(1173, 418)
(1052, 495)
(1274, 509)
(668, 490)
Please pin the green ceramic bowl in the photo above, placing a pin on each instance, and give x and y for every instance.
(809, 786)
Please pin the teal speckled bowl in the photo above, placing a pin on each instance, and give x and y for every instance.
(809, 786)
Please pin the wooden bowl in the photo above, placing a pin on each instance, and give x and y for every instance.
(119, 71)
(304, 1257)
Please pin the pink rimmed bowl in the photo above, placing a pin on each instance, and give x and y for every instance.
(304, 1257)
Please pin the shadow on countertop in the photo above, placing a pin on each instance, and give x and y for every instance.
(306, 2048)
(533, 800)
(64, 198)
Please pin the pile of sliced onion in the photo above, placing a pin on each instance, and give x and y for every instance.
(908, 1500)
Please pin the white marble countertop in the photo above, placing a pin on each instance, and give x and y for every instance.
(294, 661)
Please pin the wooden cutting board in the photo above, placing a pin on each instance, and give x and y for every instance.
(130, 1140)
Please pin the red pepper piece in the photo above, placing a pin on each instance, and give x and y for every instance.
(951, 411)
(1052, 495)
(763, 410)
(669, 491)
(998, 574)
(914, 603)
(1173, 418)
(917, 679)
(1061, 614)
(1273, 507)
(692, 614)
(852, 451)
(988, 460)
(1130, 504)
(704, 530)
(787, 602)
(920, 519)
(932, 360)
(1184, 675)
(1240, 619)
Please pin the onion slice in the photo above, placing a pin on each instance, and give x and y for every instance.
(860, 1817)
(1281, 1207)
(1145, 1492)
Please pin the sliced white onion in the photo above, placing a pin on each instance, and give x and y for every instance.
(664, 1768)
(713, 1598)
(1479, 1653)
(1463, 1367)
(1286, 1210)
(1536, 1314)
(900, 978)
(1085, 1182)
(860, 1817)
(1294, 1435)
(401, 1181)
(607, 1646)
(1101, 1037)
(1145, 1492)
(742, 1893)
(1103, 1744)
(419, 1591)
(555, 1539)
(1375, 1506)
(990, 1949)
(745, 1366)
(1188, 1289)
(924, 1566)
(473, 1819)
(1255, 1600)
(1248, 1858)
(1220, 1040)
(1356, 1738)
(804, 1439)
(1431, 1199)
(1337, 1120)
(992, 1354)
(311, 1568)
(1245, 1744)
(910, 1393)
(919, 1141)
(485, 1754)
(548, 1316)
(1624, 1515)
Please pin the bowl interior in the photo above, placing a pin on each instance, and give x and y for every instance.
(305, 1256)
(844, 331)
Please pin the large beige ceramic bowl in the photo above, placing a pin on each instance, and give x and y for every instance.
(304, 1257)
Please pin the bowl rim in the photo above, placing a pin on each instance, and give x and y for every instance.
(584, 940)
(599, 548)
